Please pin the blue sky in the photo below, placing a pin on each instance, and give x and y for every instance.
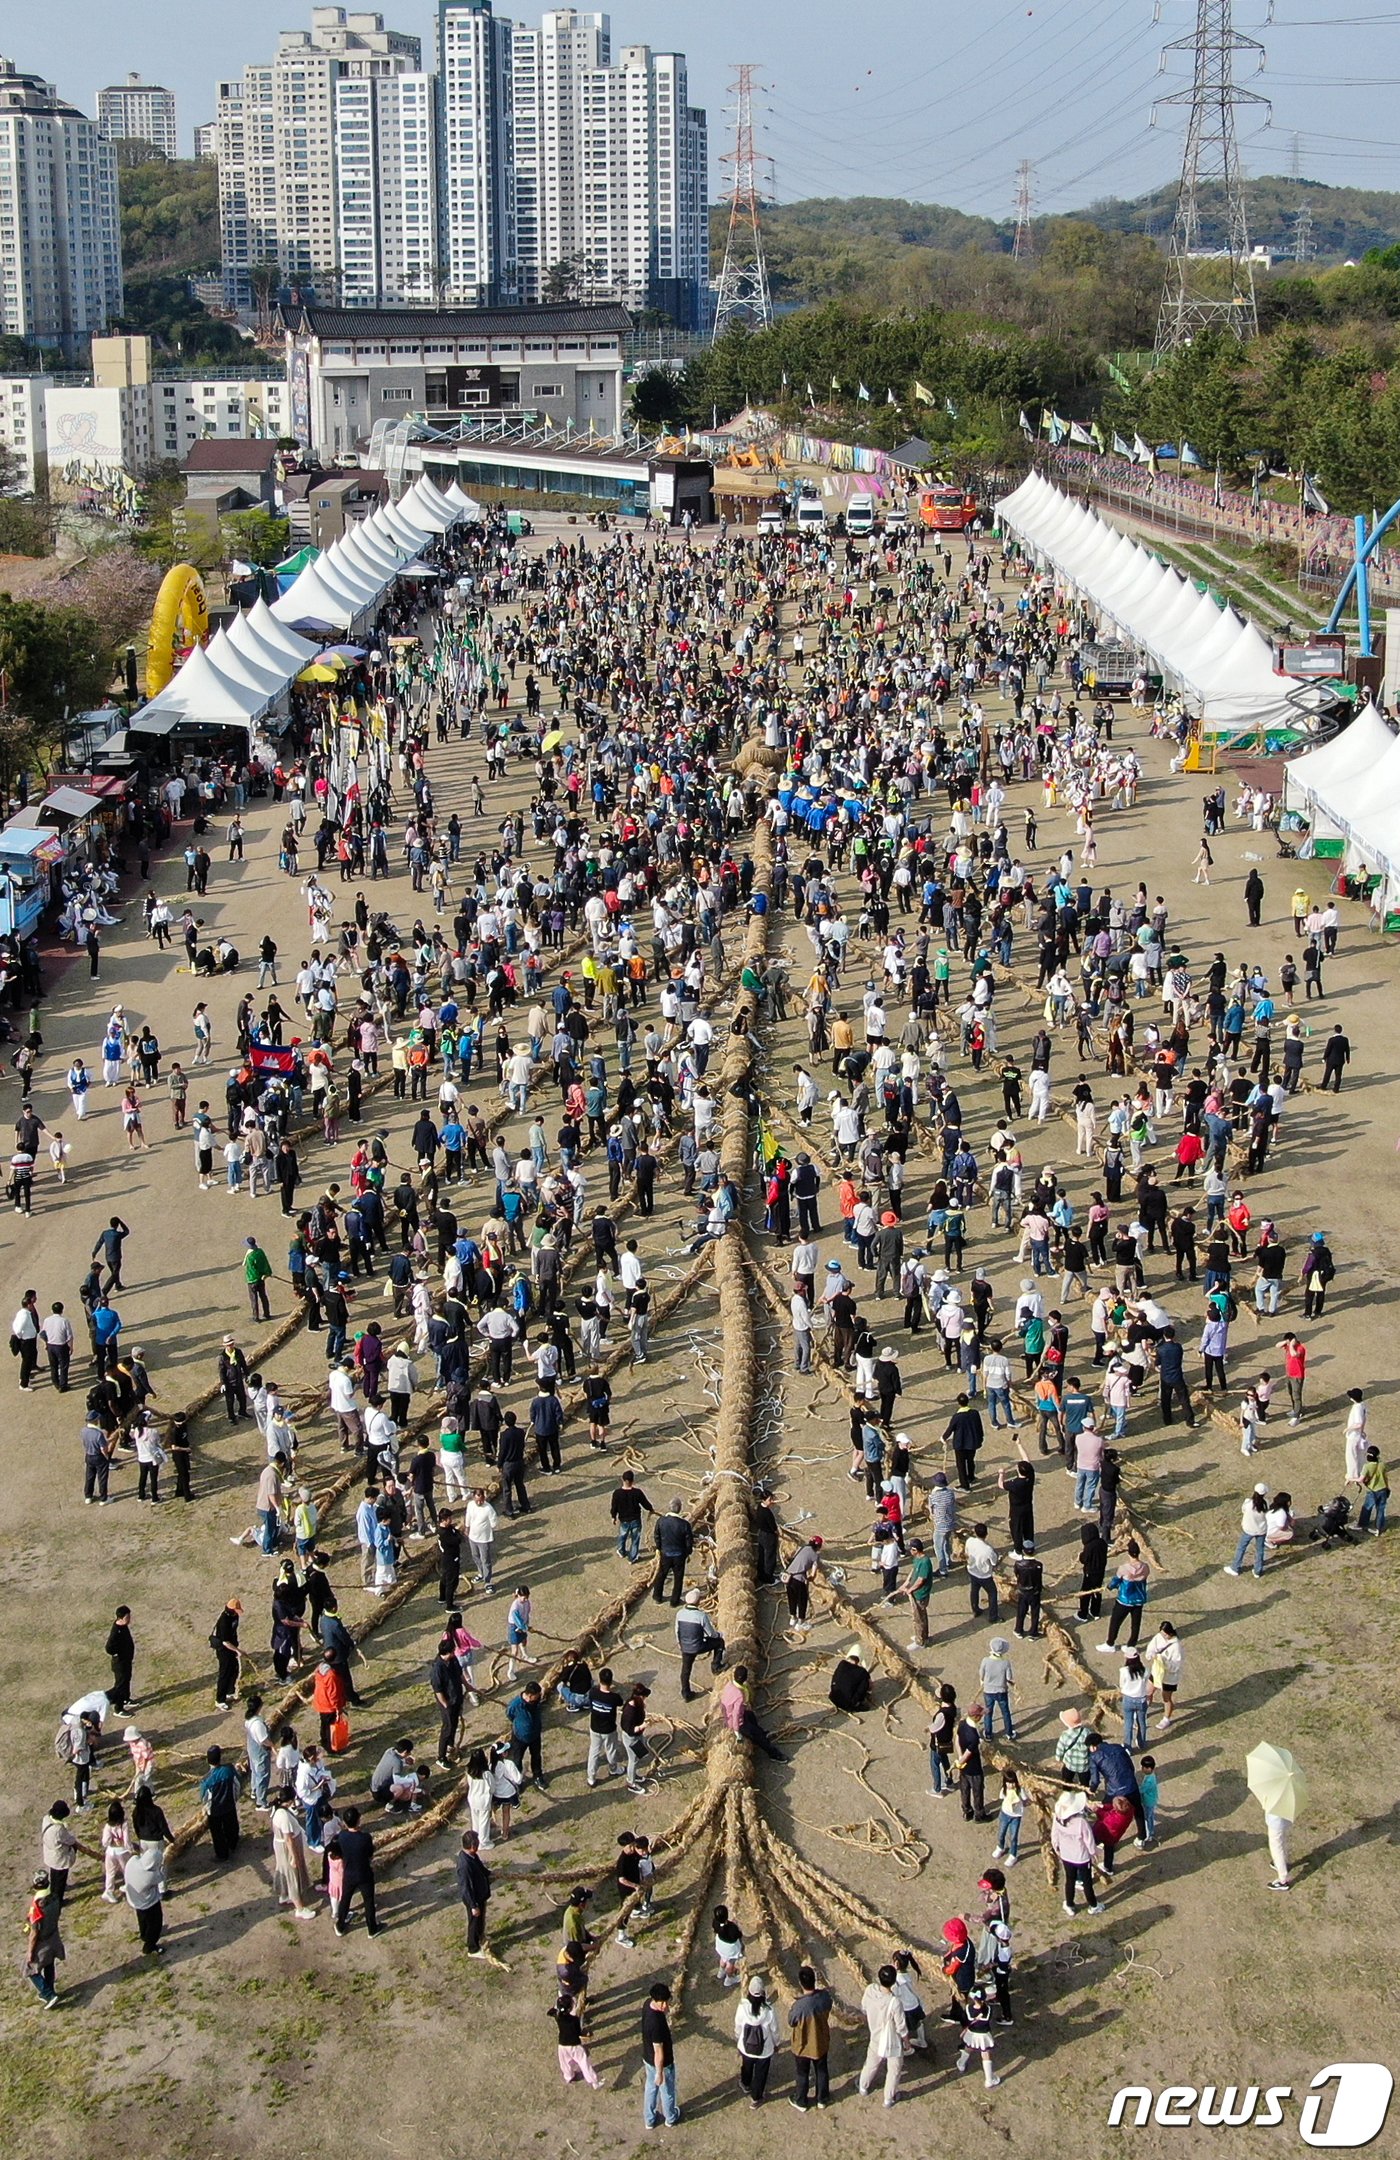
(927, 99)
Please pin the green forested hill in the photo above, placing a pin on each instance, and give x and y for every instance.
(886, 252)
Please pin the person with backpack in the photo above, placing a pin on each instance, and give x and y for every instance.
(43, 1945)
(76, 1743)
(756, 2035)
(1317, 1272)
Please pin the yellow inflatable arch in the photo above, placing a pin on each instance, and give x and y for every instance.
(179, 620)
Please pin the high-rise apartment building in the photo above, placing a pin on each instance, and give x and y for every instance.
(60, 232)
(530, 167)
(278, 191)
(206, 139)
(386, 177)
(136, 111)
(476, 154)
(611, 170)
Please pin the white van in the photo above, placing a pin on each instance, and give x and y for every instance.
(897, 517)
(860, 516)
(811, 514)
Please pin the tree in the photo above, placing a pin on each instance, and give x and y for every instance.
(174, 538)
(561, 280)
(256, 536)
(26, 526)
(264, 283)
(657, 397)
(54, 660)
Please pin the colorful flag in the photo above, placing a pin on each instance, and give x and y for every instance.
(1023, 423)
(1120, 448)
(862, 393)
(1313, 498)
(1141, 454)
(922, 392)
(811, 395)
(1080, 435)
(890, 398)
(1189, 455)
(272, 1058)
(950, 408)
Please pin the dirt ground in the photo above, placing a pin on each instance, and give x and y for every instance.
(260, 2036)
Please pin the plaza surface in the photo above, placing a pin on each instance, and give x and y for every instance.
(260, 2036)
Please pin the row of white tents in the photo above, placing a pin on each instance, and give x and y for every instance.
(1216, 659)
(1349, 789)
(242, 672)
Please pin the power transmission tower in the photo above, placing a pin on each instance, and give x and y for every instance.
(1191, 302)
(1301, 220)
(1023, 246)
(742, 295)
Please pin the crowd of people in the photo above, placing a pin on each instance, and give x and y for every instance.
(550, 1022)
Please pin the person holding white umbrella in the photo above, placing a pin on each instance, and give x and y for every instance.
(1278, 1784)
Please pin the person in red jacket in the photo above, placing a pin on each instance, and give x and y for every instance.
(329, 1696)
(1295, 1372)
(1190, 1149)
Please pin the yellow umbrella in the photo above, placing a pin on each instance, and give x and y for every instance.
(553, 739)
(317, 672)
(1276, 1780)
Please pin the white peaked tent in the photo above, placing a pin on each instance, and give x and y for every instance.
(1334, 785)
(1373, 836)
(428, 505)
(200, 691)
(372, 551)
(467, 510)
(1216, 658)
(339, 567)
(267, 675)
(389, 520)
(318, 595)
(260, 635)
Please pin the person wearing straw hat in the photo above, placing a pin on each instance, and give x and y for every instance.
(850, 1682)
(1073, 1843)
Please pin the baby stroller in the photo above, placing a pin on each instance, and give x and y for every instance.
(1331, 1527)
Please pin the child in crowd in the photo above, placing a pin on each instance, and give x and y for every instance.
(1151, 1793)
(729, 1946)
(1013, 1808)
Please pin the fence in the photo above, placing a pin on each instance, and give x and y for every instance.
(1181, 507)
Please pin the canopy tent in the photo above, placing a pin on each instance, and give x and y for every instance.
(341, 572)
(256, 671)
(259, 633)
(201, 691)
(390, 520)
(468, 511)
(1345, 799)
(428, 505)
(372, 551)
(1327, 776)
(320, 595)
(1216, 658)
